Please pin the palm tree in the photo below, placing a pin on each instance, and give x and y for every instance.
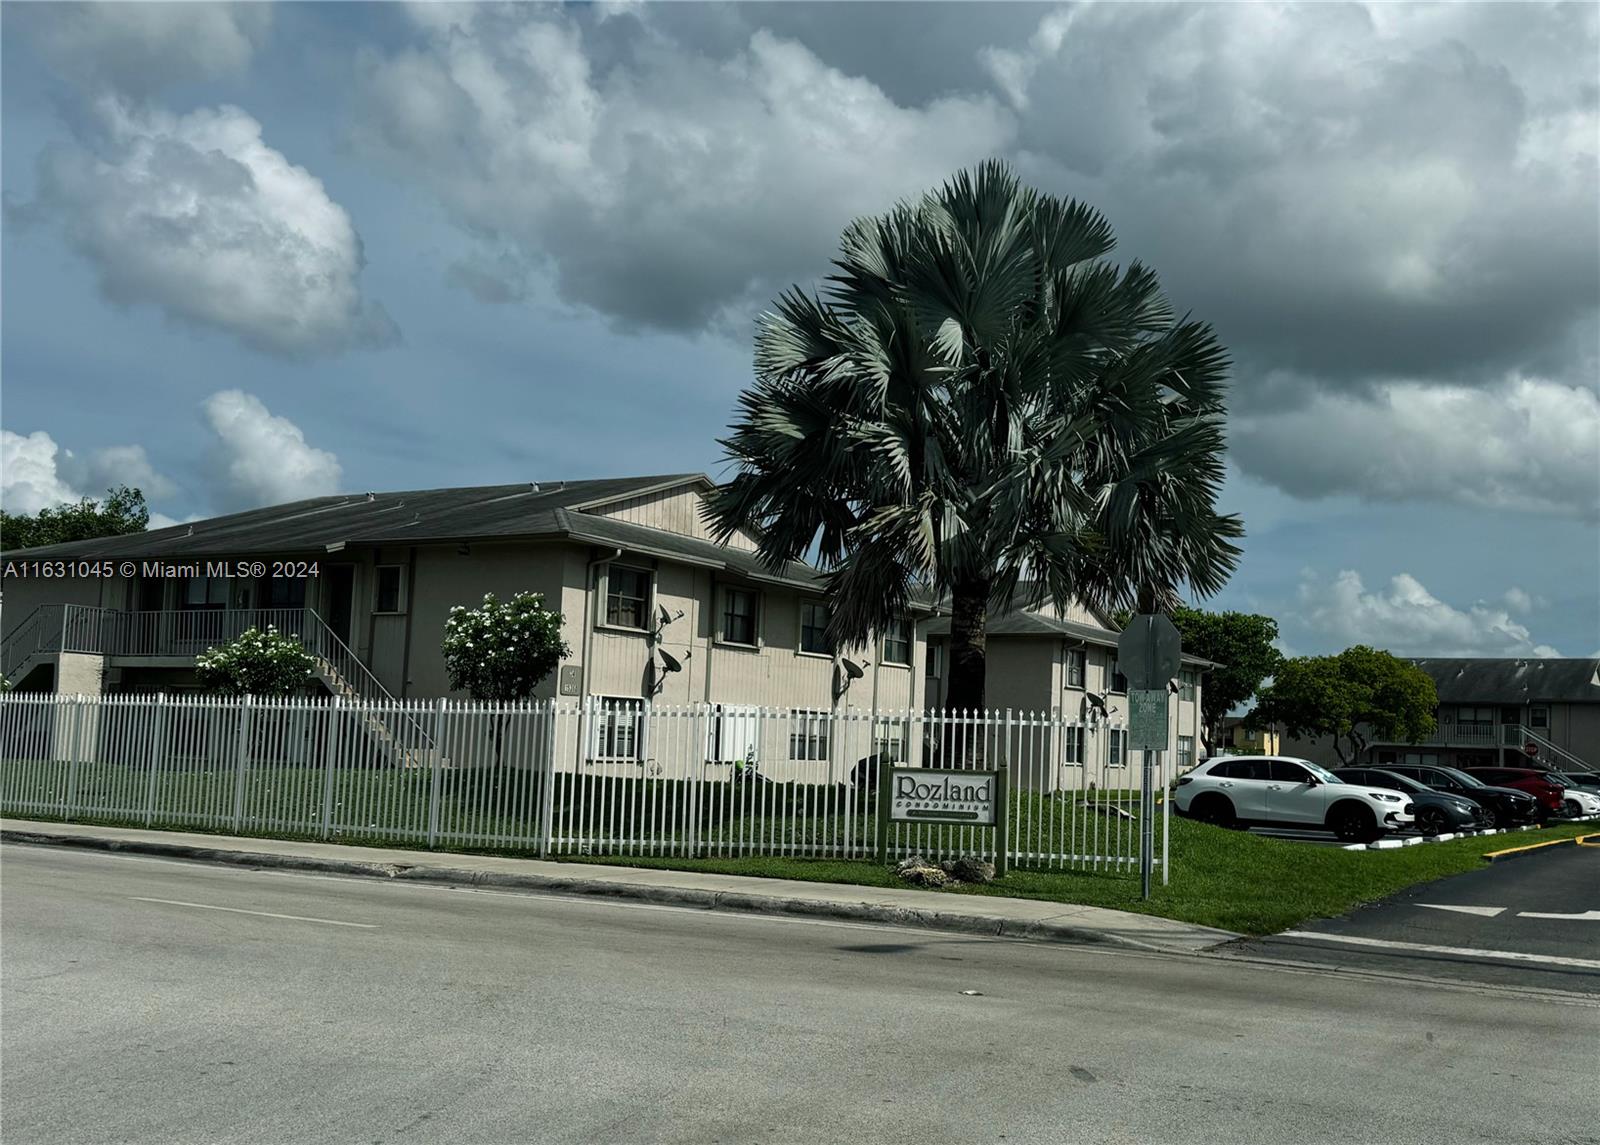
(979, 408)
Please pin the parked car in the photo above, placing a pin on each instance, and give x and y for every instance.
(1283, 791)
(1581, 798)
(1504, 806)
(1437, 813)
(1550, 793)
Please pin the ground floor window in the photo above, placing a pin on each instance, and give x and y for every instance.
(617, 730)
(1117, 749)
(1186, 752)
(889, 741)
(808, 735)
(1072, 747)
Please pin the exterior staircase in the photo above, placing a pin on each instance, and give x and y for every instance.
(53, 629)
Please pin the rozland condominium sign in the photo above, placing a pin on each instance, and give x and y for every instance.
(919, 795)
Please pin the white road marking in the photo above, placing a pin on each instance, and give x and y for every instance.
(1467, 951)
(1586, 916)
(258, 913)
(1484, 911)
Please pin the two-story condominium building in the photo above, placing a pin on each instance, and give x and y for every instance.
(1064, 663)
(1493, 712)
(654, 609)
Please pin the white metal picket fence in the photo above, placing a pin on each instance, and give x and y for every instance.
(555, 777)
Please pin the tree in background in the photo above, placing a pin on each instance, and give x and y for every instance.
(980, 403)
(1353, 697)
(256, 663)
(501, 651)
(1241, 643)
(123, 511)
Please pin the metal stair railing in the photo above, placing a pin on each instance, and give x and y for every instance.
(1529, 735)
(355, 681)
(40, 631)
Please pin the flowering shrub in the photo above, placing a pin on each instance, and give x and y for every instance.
(256, 663)
(502, 649)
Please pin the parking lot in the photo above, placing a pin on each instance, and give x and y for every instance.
(1532, 921)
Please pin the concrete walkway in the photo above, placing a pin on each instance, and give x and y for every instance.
(933, 910)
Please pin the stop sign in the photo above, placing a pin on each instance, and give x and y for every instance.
(1149, 652)
(1531, 750)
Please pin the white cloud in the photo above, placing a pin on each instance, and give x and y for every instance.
(29, 475)
(1529, 445)
(36, 473)
(1408, 620)
(650, 191)
(261, 459)
(141, 48)
(196, 215)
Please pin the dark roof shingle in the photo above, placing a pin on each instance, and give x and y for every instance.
(1489, 681)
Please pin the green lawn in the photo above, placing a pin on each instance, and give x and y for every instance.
(1228, 879)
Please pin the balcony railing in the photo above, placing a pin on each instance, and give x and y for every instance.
(1473, 735)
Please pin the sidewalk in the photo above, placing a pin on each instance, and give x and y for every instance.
(930, 910)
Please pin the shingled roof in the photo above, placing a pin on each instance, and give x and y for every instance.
(1468, 681)
(530, 511)
(1027, 623)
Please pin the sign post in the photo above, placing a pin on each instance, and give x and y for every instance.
(1150, 655)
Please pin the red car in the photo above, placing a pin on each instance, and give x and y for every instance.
(1536, 783)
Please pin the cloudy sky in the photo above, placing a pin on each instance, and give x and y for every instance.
(253, 253)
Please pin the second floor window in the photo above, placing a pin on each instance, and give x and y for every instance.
(627, 597)
(388, 594)
(897, 642)
(1077, 660)
(1188, 681)
(738, 616)
(814, 628)
(1118, 682)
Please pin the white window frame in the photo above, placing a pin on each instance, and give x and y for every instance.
(1188, 683)
(755, 616)
(897, 735)
(1186, 752)
(401, 601)
(1116, 749)
(603, 613)
(811, 729)
(1111, 679)
(933, 667)
(1074, 736)
(910, 642)
(1538, 710)
(1077, 658)
(604, 725)
(800, 628)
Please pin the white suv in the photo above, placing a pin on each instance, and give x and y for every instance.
(1283, 791)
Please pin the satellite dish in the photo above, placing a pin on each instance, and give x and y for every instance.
(663, 617)
(669, 662)
(852, 669)
(1095, 700)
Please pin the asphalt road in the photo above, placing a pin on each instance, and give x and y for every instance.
(147, 1000)
(1534, 920)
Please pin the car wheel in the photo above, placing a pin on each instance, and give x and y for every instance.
(1353, 824)
(1215, 809)
(1491, 817)
(1573, 808)
(1432, 821)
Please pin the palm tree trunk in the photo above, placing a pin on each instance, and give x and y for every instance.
(969, 643)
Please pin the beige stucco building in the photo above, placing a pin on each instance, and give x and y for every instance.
(1062, 663)
(654, 609)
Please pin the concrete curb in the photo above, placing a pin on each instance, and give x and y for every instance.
(731, 901)
(1519, 852)
(1391, 844)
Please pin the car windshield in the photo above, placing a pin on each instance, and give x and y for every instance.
(1463, 778)
(1405, 782)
